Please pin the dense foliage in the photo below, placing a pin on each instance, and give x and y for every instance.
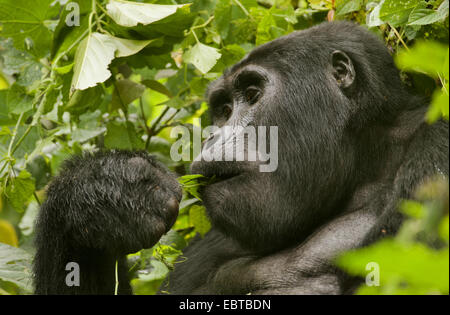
(88, 74)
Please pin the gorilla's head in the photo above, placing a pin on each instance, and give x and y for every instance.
(325, 89)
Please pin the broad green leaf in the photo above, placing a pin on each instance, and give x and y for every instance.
(344, 6)
(21, 64)
(82, 100)
(413, 209)
(396, 12)
(5, 119)
(17, 100)
(129, 14)
(82, 135)
(65, 36)
(158, 272)
(19, 190)
(435, 54)
(158, 87)
(29, 142)
(203, 57)
(126, 91)
(373, 18)
(8, 234)
(423, 16)
(173, 239)
(199, 219)
(439, 106)
(121, 136)
(444, 229)
(222, 17)
(413, 264)
(94, 55)
(15, 267)
(263, 32)
(40, 171)
(26, 225)
(25, 22)
(321, 5)
(175, 102)
(64, 69)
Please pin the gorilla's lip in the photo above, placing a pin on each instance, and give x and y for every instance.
(222, 170)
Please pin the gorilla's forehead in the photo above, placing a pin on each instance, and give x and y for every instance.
(260, 58)
(308, 46)
(231, 75)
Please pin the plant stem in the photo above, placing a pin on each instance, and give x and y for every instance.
(239, 4)
(399, 37)
(116, 289)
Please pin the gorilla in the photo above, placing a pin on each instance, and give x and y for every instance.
(352, 143)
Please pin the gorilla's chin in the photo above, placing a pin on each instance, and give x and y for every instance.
(238, 209)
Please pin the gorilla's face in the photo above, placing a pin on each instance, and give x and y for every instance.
(303, 84)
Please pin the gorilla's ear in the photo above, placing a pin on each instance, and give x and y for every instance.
(343, 70)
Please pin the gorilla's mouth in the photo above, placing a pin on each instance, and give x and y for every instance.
(221, 171)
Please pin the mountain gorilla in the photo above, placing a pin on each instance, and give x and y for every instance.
(352, 143)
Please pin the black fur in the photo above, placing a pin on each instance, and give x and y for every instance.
(352, 143)
(100, 208)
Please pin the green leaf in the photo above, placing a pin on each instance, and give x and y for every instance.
(82, 135)
(158, 87)
(202, 57)
(413, 209)
(15, 267)
(199, 219)
(344, 6)
(27, 222)
(25, 22)
(396, 12)
(373, 18)
(173, 239)
(22, 65)
(222, 17)
(82, 100)
(40, 171)
(129, 14)
(439, 106)
(19, 190)
(444, 229)
(423, 16)
(8, 234)
(263, 32)
(5, 119)
(94, 55)
(158, 272)
(64, 69)
(415, 264)
(435, 54)
(126, 91)
(121, 136)
(192, 183)
(17, 101)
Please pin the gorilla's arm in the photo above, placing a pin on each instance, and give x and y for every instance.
(99, 208)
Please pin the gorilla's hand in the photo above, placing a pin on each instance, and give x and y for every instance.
(118, 201)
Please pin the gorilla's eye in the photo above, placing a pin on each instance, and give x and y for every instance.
(252, 95)
(226, 112)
